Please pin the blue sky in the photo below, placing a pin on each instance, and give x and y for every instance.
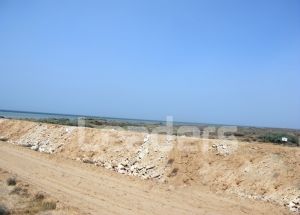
(222, 62)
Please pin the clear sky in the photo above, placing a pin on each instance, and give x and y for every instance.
(209, 61)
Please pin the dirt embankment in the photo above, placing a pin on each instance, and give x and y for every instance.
(260, 172)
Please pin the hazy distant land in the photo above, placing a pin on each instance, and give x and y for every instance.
(244, 133)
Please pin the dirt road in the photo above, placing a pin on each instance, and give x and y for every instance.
(96, 190)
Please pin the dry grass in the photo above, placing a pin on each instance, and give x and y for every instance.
(16, 190)
(38, 205)
(48, 205)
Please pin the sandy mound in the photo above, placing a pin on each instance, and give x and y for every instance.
(258, 171)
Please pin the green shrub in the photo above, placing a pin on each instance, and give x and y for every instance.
(238, 134)
(276, 137)
(60, 121)
(11, 181)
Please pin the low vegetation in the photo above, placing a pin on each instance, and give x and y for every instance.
(60, 121)
(34, 205)
(4, 210)
(243, 133)
(16, 190)
(174, 172)
(276, 137)
(37, 205)
(48, 205)
(11, 181)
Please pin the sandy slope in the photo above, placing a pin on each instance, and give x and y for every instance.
(217, 178)
(100, 191)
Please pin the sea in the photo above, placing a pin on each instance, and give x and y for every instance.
(39, 115)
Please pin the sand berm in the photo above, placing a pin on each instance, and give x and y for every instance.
(122, 172)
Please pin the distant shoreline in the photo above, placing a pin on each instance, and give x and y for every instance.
(39, 115)
(243, 133)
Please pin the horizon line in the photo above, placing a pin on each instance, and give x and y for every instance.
(163, 121)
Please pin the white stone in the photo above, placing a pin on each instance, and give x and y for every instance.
(296, 201)
(121, 171)
(161, 181)
(108, 166)
(101, 159)
(140, 167)
(34, 147)
(114, 163)
(132, 168)
(146, 138)
(86, 160)
(150, 167)
(171, 188)
(121, 167)
(141, 155)
(124, 163)
(155, 175)
(2, 138)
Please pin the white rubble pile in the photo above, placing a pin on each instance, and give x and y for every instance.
(224, 149)
(293, 205)
(141, 163)
(145, 162)
(40, 139)
(288, 201)
(221, 149)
